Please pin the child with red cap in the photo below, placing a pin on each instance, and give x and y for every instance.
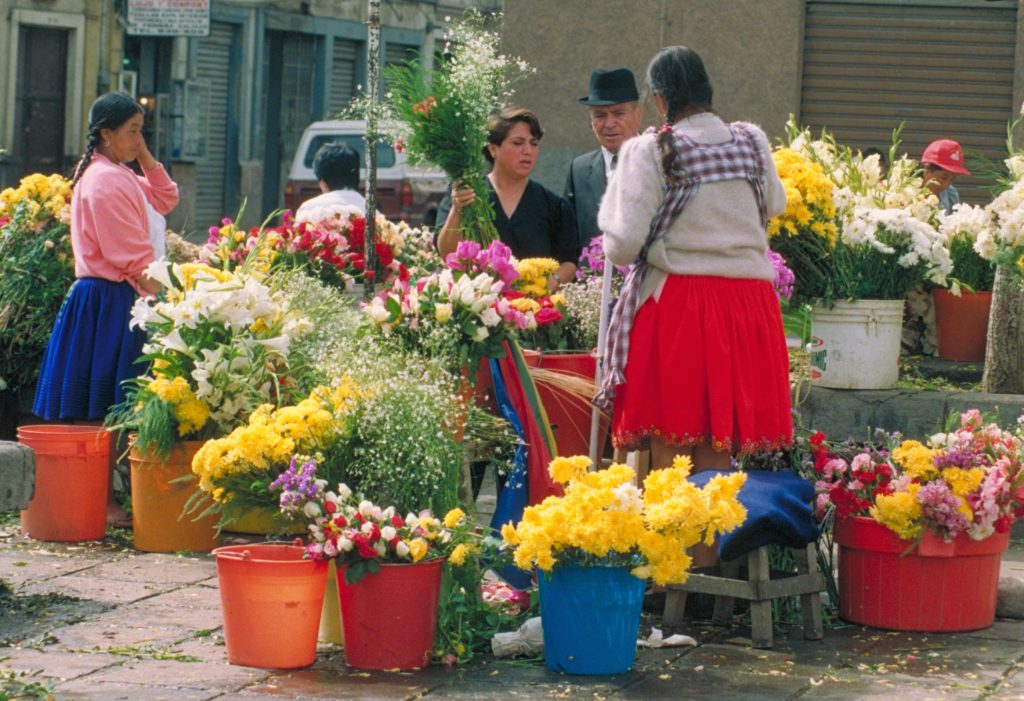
(943, 161)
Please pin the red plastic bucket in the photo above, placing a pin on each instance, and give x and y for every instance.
(72, 474)
(570, 415)
(390, 618)
(932, 586)
(271, 599)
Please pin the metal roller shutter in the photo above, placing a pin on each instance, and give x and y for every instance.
(343, 75)
(214, 67)
(295, 99)
(947, 72)
(398, 53)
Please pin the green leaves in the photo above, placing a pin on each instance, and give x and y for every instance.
(358, 569)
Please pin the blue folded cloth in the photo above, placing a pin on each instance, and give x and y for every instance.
(778, 512)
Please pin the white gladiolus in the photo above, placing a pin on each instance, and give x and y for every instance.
(366, 508)
(311, 509)
(402, 550)
(344, 492)
(388, 533)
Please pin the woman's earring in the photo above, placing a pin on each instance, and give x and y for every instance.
(106, 143)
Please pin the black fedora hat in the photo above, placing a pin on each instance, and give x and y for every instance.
(610, 87)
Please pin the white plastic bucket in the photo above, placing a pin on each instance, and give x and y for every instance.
(856, 345)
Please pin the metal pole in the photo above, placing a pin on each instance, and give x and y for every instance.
(602, 345)
(372, 96)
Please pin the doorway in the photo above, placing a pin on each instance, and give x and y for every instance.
(40, 102)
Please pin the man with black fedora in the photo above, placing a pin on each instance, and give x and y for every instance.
(615, 116)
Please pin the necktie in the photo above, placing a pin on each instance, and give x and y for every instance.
(615, 162)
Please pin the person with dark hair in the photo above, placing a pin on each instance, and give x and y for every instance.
(615, 116)
(116, 216)
(697, 362)
(883, 160)
(942, 161)
(531, 220)
(336, 166)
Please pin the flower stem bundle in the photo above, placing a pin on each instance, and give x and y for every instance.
(440, 117)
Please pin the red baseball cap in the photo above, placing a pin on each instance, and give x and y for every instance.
(946, 154)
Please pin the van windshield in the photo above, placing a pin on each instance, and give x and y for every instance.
(385, 153)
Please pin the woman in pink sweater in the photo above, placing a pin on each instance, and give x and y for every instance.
(116, 221)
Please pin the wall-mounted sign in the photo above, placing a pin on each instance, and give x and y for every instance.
(169, 18)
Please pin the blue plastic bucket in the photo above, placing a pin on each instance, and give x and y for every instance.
(591, 617)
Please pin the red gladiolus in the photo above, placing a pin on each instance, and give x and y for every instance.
(397, 521)
(330, 507)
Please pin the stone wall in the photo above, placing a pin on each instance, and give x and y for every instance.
(750, 47)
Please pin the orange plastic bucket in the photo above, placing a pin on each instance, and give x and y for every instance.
(390, 618)
(271, 599)
(72, 473)
(158, 501)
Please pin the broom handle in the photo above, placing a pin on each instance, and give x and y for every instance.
(602, 344)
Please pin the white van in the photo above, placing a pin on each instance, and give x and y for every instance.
(404, 192)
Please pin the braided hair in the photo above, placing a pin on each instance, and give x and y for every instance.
(678, 75)
(109, 111)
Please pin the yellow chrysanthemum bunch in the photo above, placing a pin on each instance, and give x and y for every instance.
(534, 274)
(272, 436)
(190, 412)
(45, 196)
(901, 512)
(604, 515)
(962, 482)
(809, 204)
(916, 459)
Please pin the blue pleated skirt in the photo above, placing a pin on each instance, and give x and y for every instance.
(90, 353)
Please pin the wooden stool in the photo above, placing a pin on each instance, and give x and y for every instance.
(759, 589)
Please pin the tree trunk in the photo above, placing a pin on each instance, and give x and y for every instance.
(1004, 353)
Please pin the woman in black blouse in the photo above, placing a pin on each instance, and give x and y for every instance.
(531, 220)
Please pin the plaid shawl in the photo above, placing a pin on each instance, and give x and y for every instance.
(695, 163)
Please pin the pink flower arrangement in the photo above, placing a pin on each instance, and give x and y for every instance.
(784, 277)
(504, 599)
(966, 481)
(592, 260)
(495, 260)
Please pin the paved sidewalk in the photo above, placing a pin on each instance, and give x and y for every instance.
(130, 625)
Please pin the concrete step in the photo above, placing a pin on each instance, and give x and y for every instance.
(917, 414)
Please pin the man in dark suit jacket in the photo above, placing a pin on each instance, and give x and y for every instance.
(615, 116)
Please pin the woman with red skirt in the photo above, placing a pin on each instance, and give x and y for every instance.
(697, 362)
